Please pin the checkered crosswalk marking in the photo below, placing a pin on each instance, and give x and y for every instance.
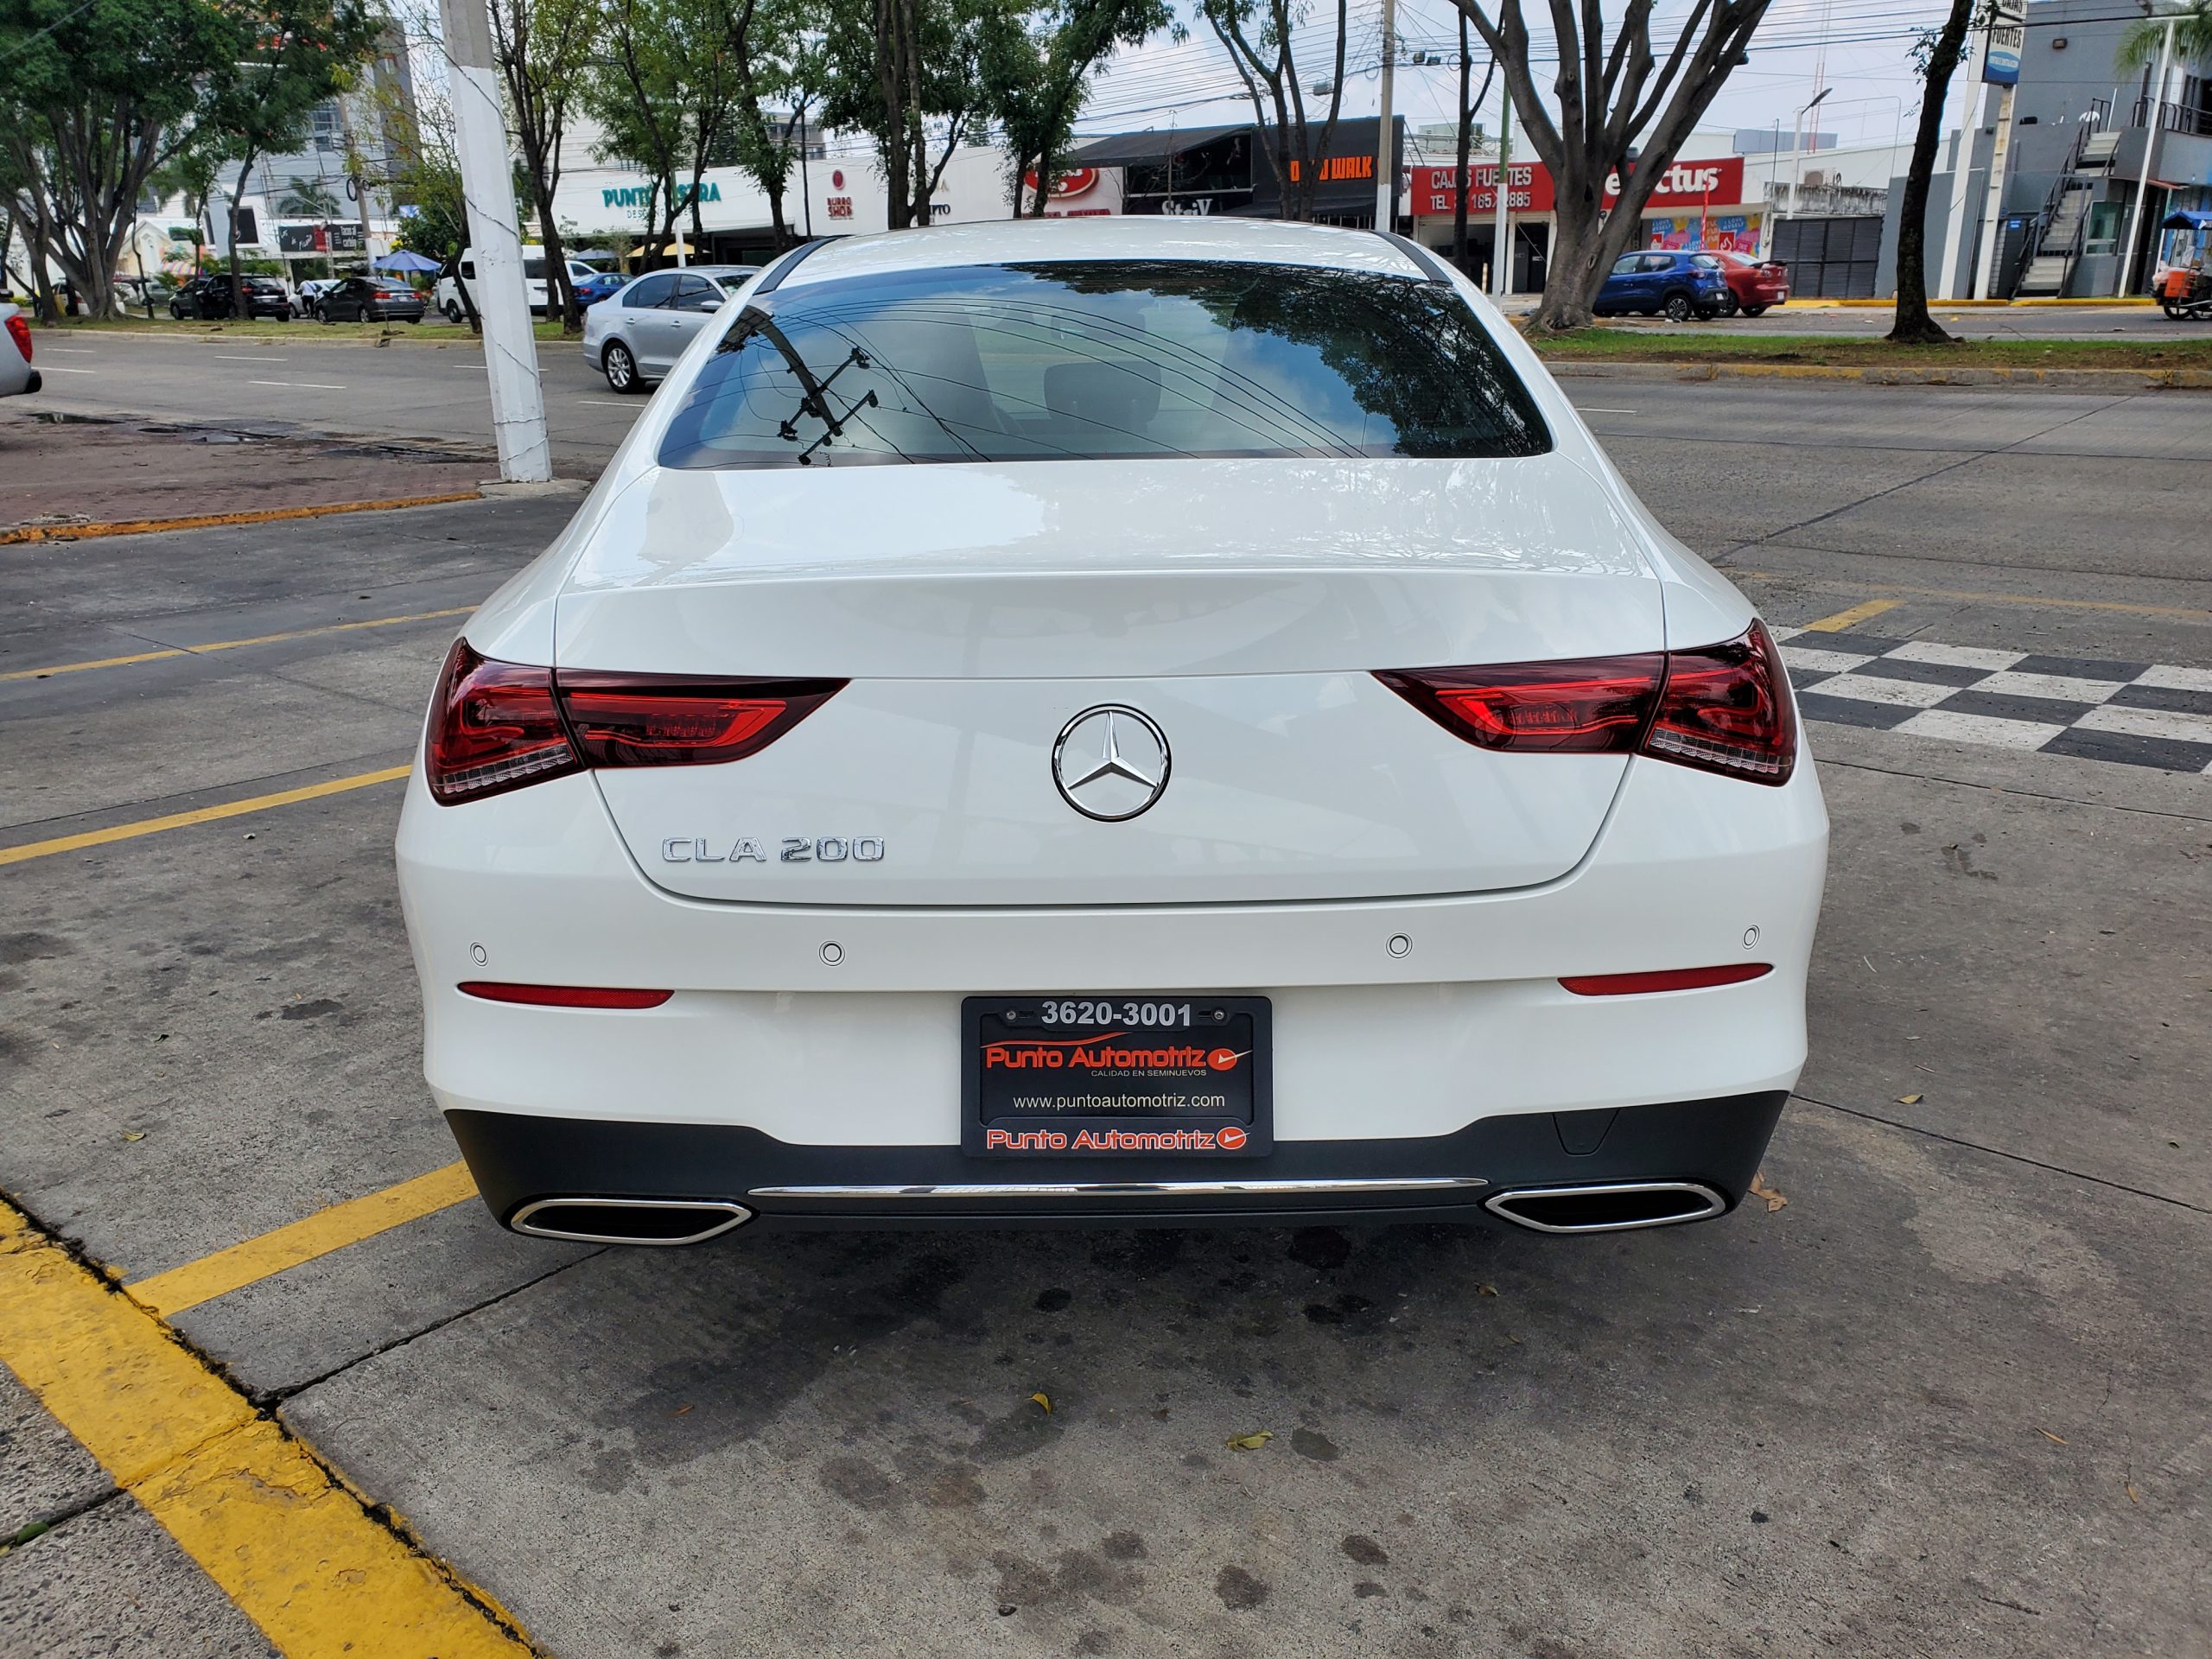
(2154, 715)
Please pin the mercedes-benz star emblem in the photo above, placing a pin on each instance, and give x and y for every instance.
(1110, 762)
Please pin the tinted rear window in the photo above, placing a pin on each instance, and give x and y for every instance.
(1106, 359)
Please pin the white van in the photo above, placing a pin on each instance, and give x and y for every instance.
(533, 282)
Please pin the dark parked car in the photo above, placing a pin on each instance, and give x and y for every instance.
(1681, 285)
(1753, 285)
(605, 285)
(362, 299)
(210, 296)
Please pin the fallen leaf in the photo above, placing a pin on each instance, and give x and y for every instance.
(1908, 1100)
(1252, 1442)
(1486, 1290)
(679, 1411)
(2131, 1493)
(1761, 1190)
(1044, 1400)
(134, 1135)
(2053, 1439)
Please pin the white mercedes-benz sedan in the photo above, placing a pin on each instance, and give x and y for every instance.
(1122, 720)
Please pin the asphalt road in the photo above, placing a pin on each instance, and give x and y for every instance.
(1950, 1398)
(1967, 322)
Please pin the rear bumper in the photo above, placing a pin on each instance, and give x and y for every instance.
(521, 1160)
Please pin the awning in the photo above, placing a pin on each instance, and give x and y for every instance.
(2186, 219)
(1139, 147)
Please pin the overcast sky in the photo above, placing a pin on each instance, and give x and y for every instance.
(1865, 60)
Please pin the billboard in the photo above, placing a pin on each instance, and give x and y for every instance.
(2008, 33)
(1713, 180)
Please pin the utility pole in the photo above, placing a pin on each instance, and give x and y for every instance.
(1386, 170)
(2150, 130)
(488, 186)
(1501, 257)
(1954, 217)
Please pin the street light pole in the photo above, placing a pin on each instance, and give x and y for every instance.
(1386, 173)
(2149, 147)
(487, 187)
(1797, 144)
(1501, 255)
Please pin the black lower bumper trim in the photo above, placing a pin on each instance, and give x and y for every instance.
(518, 1159)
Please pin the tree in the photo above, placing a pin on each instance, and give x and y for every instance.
(775, 63)
(906, 72)
(1467, 108)
(1035, 79)
(660, 91)
(94, 95)
(1940, 55)
(542, 48)
(1256, 34)
(293, 55)
(1613, 104)
(307, 198)
(2140, 46)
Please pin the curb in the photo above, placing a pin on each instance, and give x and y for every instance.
(2070, 379)
(1965, 305)
(22, 533)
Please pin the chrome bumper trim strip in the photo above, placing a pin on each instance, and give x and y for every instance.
(1130, 1189)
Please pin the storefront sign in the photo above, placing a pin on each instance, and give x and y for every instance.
(1528, 188)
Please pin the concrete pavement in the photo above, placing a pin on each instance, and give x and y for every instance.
(1948, 1398)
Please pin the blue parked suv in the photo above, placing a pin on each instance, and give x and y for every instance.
(1682, 285)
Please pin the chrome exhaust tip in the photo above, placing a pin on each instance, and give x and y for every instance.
(659, 1222)
(1617, 1208)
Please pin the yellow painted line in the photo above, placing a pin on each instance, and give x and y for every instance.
(210, 520)
(2186, 612)
(203, 815)
(1852, 616)
(333, 1228)
(169, 651)
(281, 1533)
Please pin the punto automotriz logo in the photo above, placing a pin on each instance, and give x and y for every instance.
(1105, 1056)
(1229, 1137)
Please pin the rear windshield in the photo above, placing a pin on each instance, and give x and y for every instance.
(1103, 358)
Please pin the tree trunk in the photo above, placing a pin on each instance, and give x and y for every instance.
(1913, 325)
(1466, 145)
(891, 88)
(246, 170)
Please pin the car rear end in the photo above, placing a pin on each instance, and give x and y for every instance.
(17, 375)
(1764, 283)
(1118, 837)
(399, 303)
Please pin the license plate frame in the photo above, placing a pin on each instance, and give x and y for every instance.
(1241, 1126)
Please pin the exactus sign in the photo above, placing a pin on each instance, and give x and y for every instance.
(1718, 182)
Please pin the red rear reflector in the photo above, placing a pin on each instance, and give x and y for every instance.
(494, 726)
(19, 332)
(1722, 709)
(1597, 707)
(1666, 979)
(633, 720)
(564, 996)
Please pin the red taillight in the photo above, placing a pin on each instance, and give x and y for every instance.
(497, 725)
(648, 720)
(1666, 979)
(564, 996)
(1726, 709)
(1587, 708)
(494, 726)
(19, 332)
(1723, 709)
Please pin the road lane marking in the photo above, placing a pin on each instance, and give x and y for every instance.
(1600, 409)
(75, 351)
(297, 385)
(203, 815)
(332, 1229)
(55, 368)
(2195, 614)
(226, 357)
(216, 521)
(607, 403)
(1850, 618)
(277, 1529)
(170, 651)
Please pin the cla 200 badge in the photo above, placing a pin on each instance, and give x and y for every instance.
(796, 850)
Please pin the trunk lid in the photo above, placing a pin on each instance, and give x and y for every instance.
(1240, 607)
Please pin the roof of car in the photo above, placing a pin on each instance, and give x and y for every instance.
(1106, 237)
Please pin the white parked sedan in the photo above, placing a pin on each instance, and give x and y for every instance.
(635, 336)
(1115, 719)
(16, 374)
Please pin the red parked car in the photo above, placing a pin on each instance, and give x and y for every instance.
(1753, 285)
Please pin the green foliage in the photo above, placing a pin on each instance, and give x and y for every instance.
(1037, 68)
(2140, 46)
